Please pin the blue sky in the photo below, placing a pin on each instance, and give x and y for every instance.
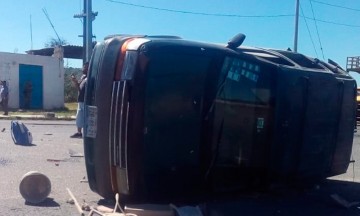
(266, 23)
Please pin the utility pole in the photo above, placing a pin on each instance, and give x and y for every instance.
(296, 25)
(88, 17)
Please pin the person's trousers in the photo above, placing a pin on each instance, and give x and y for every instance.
(4, 105)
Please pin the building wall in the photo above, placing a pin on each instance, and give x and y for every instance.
(53, 77)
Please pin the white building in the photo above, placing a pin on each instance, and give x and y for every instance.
(44, 73)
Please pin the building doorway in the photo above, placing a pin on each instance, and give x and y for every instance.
(30, 86)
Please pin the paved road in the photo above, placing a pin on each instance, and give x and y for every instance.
(51, 141)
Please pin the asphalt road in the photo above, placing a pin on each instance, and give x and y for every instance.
(51, 142)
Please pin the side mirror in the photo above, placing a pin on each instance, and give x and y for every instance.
(236, 41)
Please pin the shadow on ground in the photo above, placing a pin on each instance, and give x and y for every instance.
(331, 198)
(48, 202)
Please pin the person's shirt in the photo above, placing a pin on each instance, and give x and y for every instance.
(4, 92)
(82, 84)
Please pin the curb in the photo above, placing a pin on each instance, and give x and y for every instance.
(36, 117)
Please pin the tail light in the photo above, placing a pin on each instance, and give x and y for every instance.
(126, 65)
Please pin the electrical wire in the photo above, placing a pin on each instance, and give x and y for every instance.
(317, 31)
(307, 27)
(333, 5)
(229, 15)
(200, 13)
(334, 23)
(81, 11)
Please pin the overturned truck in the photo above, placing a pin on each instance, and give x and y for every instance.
(169, 119)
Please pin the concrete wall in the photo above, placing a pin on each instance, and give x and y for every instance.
(53, 77)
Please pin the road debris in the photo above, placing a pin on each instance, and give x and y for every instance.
(55, 160)
(154, 209)
(35, 187)
(73, 153)
(104, 209)
(78, 207)
(110, 212)
(84, 180)
(70, 201)
(85, 206)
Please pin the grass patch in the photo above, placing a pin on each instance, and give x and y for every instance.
(71, 106)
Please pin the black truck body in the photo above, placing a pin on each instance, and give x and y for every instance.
(170, 119)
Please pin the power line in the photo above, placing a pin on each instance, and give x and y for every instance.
(201, 13)
(232, 15)
(334, 23)
(81, 11)
(317, 31)
(307, 27)
(333, 5)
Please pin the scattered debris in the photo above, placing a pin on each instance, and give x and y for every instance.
(342, 202)
(54, 160)
(101, 214)
(84, 180)
(3, 130)
(85, 206)
(104, 209)
(70, 201)
(153, 209)
(113, 212)
(78, 207)
(35, 187)
(20, 134)
(75, 154)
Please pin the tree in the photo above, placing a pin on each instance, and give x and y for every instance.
(53, 42)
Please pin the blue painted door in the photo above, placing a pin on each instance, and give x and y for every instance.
(30, 86)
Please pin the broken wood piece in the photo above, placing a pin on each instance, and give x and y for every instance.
(104, 209)
(75, 202)
(73, 153)
(108, 214)
(77, 155)
(54, 160)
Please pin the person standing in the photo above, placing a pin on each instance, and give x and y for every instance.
(80, 85)
(4, 94)
(27, 94)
